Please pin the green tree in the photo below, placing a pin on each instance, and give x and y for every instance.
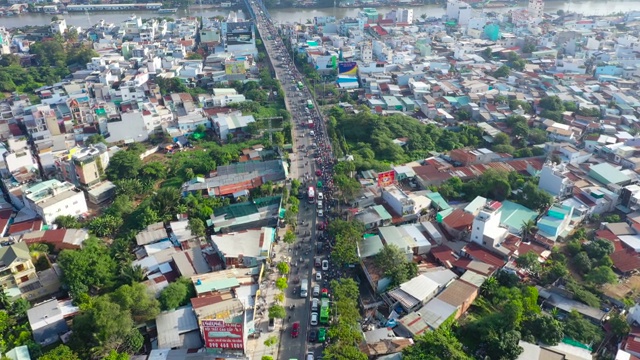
(289, 237)
(176, 294)
(60, 352)
(545, 329)
(582, 262)
(602, 275)
(132, 274)
(105, 225)
(580, 329)
(395, 265)
(95, 139)
(551, 103)
(277, 311)
(613, 218)
(153, 171)
(114, 355)
(90, 266)
(432, 345)
(165, 201)
(67, 222)
(194, 56)
(282, 284)
(137, 300)
(124, 165)
(503, 345)
(501, 139)
(197, 227)
(619, 326)
(503, 71)
(283, 268)
(598, 248)
(529, 261)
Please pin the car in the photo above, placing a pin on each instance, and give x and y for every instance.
(272, 324)
(295, 329)
(316, 290)
(322, 334)
(309, 356)
(318, 276)
(325, 265)
(315, 304)
(318, 172)
(317, 262)
(313, 336)
(314, 319)
(320, 213)
(325, 292)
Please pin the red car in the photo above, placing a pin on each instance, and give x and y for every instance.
(318, 172)
(295, 329)
(324, 293)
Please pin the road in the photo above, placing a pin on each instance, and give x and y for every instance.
(303, 168)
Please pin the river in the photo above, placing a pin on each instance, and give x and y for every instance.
(588, 7)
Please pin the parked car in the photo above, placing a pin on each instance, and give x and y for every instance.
(322, 334)
(318, 276)
(295, 329)
(313, 336)
(325, 265)
(272, 324)
(314, 318)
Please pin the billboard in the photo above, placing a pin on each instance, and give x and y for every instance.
(219, 334)
(386, 178)
(348, 68)
(240, 38)
(235, 67)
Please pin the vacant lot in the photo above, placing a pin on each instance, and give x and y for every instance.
(629, 287)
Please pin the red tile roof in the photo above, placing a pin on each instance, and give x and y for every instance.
(459, 220)
(631, 344)
(444, 255)
(25, 226)
(5, 216)
(479, 253)
(625, 260)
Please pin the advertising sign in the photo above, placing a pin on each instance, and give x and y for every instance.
(240, 38)
(235, 67)
(348, 68)
(222, 335)
(386, 178)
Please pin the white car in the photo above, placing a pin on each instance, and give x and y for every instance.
(320, 213)
(318, 276)
(314, 318)
(325, 265)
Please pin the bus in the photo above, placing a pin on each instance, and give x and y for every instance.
(300, 85)
(310, 104)
(311, 195)
(324, 314)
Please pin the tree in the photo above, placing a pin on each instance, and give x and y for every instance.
(105, 225)
(545, 329)
(503, 71)
(277, 311)
(432, 345)
(137, 300)
(104, 326)
(165, 202)
(153, 171)
(613, 218)
(619, 326)
(132, 274)
(283, 268)
(124, 165)
(529, 261)
(95, 139)
(395, 265)
(194, 56)
(114, 355)
(598, 248)
(282, 284)
(503, 345)
(551, 103)
(528, 227)
(602, 275)
(580, 329)
(197, 227)
(60, 352)
(174, 295)
(289, 237)
(501, 139)
(67, 222)
(90, 266)
(582, 262)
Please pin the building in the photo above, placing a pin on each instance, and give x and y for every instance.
(245, 248)
(554, 180)
(459, 11)
(18, 275)
(459, 294)
(53, 198)
(607, 174)
(233, 125)
(48, 320)
(486, 229)
(536, 9)
(84, 167)
(556, 223)
(247, 215)
(178, 329)
(398, 200)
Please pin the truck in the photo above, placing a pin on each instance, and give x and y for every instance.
(310, 124)
(311, 195)
(324, 311)
(310, 104)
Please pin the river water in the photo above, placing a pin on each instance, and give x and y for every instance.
(588, 7)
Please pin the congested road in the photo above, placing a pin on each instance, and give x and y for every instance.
(312, 164)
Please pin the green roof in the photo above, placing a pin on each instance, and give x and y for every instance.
(214, 285)
(514, 215)
(246, 208)
(439, 200)
(443, 214)
(607, 174)
(384, 214)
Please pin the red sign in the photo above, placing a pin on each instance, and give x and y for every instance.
(222, 335)
(386, 178)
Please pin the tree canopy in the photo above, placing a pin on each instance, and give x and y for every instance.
(395, 265)
(92, 265)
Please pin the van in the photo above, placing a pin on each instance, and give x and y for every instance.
(316, 290)
(315, 304)
(304, 288)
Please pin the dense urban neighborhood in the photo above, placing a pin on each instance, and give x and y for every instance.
(384, 186)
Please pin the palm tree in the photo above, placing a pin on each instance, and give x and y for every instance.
(527, 228)
(133, 274)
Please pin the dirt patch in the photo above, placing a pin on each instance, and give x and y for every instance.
(627, 287)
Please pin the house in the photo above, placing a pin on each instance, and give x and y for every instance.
(84, 167)
(246, 248)
(458, 223)
(374, 217)
(382, 341)
(48, 320)
(414, 293)
(561, 351)
(153, 233)
(18, 275)
(606, 174)
(459, 294)
(53, 198)
(19, 353)
(556, 223)
(427, 318)
(554, 180)
(261, 212)
(233, 125)
(178, 329)
(61, 239)
(552, 299)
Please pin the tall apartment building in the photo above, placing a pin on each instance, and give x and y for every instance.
(53, 198)
(536, 9)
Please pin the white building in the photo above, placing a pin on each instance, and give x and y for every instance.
(398, 200)
(460, 11)
(225, 124)
(59, 26)
(53, 198)
(536, 9)
(18, 155)
(486, 229)
(130, 127)
(404, 16)
(553, 179)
